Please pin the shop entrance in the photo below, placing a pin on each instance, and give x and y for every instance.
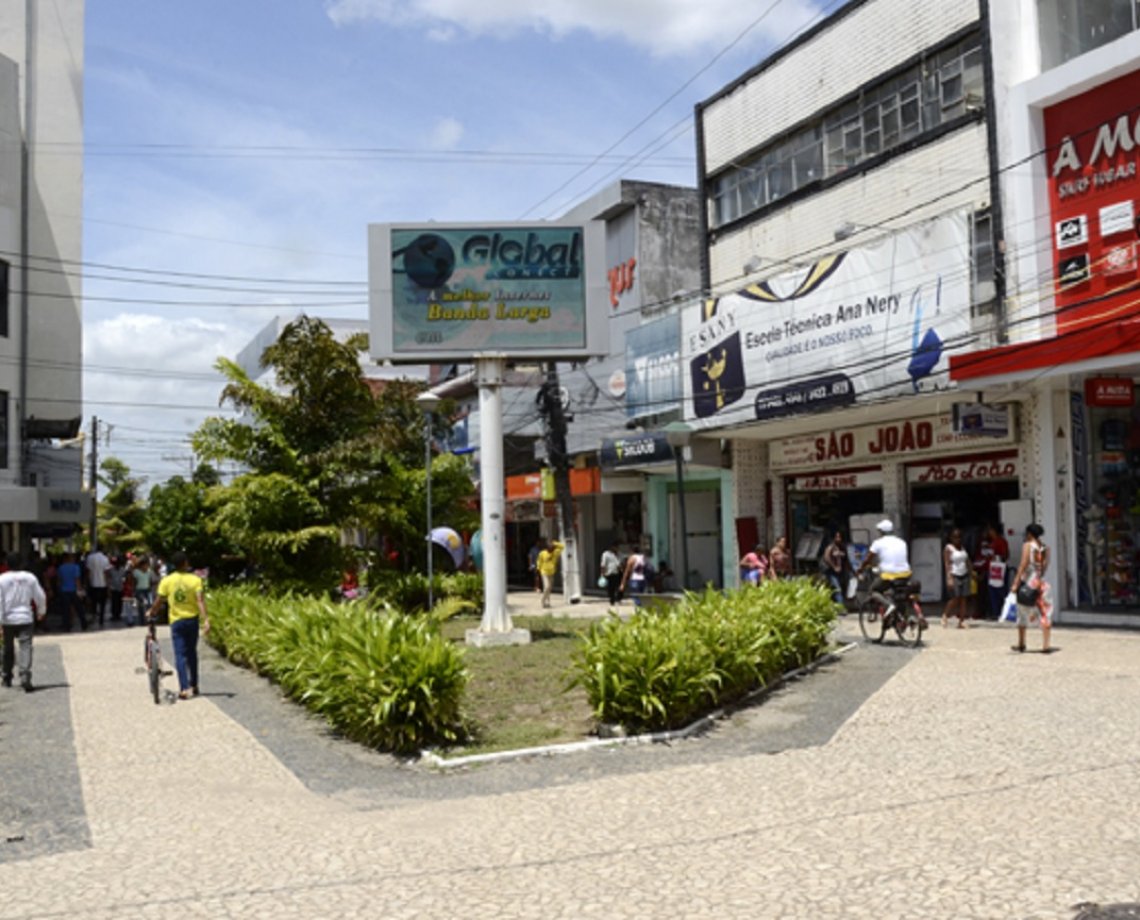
(965, 494)
(820, 505)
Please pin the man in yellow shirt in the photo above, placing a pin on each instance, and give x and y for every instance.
(182, 592)
(548, 568)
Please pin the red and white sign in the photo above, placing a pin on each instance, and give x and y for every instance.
(1094, 181)
(874, 442)
(952, 471)
(837, 482)
(1120, 260)
(1110, 392)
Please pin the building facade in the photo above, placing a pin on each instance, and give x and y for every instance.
(920, 225)
(41, 80)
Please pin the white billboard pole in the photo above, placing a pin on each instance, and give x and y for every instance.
(496, 627)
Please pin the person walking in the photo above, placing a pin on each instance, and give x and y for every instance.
(70, 592)
(1031, 575)
(956, 564)
(22, 604)
(184, 596)
(635, 578)
(97, 565)
(833, 563)
(115, 578)
(781, 559)
(611, 572)
(142, 577)
(547, 563)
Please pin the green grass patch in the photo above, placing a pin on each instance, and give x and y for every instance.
(517, 696)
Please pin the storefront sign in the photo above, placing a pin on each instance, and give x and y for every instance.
(1110, 392)
(980, 420)
(639, 451)
(963, 471)
(874, 443)
(1093, 141)
(850, 328)
(837, 482)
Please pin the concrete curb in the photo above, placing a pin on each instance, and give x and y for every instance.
(702, 724)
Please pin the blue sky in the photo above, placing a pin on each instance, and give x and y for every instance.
(257, 141)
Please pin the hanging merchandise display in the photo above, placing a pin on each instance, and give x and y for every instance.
(1114, 516)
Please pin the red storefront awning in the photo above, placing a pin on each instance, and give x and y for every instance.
(1105, 340)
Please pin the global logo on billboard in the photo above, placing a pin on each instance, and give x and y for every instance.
(718, 377)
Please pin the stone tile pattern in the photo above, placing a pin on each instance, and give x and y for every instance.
(974, 783)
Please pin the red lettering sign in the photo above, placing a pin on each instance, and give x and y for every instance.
(965, 471)
(1110, 392)
(902, 438)
(621, 280)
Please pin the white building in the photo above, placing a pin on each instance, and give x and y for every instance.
(913, 207)
(41, 197)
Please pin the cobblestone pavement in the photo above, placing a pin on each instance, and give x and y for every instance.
(959, 781)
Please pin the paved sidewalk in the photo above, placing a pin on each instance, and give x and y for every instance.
(974, 783)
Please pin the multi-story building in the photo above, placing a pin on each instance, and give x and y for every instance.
(849, 183)
(41, 80)
(921, 252)
(1069, 144)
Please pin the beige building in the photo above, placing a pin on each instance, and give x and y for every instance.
(41, 332)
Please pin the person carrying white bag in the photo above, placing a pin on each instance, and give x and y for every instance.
(1033, 593)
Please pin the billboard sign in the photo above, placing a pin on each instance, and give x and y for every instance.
(653, 367)
(452, 293)
(857, 326)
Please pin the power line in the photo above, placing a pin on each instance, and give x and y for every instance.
(647, 118)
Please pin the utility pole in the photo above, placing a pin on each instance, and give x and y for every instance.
(94, 482)
(550, 400)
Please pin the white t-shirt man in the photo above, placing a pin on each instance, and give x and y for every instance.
(97, 564)
(892, 555)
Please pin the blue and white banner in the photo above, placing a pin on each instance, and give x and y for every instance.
(857, 326)
(653, 367)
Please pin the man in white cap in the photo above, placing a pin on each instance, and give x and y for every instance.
(889, 553)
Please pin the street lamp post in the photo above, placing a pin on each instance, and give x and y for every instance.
(678, 434)
(428, 401)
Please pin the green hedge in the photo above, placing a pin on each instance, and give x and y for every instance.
(409, 590)
(668, 665)
(378, 676)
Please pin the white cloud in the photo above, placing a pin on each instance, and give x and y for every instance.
(446, 133)
(661, 26)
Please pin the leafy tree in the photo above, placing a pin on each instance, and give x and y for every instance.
(121, 513)
(177, 516)
(323, 455)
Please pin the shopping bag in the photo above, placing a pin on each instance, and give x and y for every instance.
(852, 587)
(601, 581)
(1009, 609)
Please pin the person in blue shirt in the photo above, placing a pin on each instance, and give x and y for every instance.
(70, 579)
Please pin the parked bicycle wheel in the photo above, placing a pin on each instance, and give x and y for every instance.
(871, 620)
(909, 624)
(154, 666)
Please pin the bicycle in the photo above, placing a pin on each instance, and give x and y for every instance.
(153, 658)
(902, 612)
